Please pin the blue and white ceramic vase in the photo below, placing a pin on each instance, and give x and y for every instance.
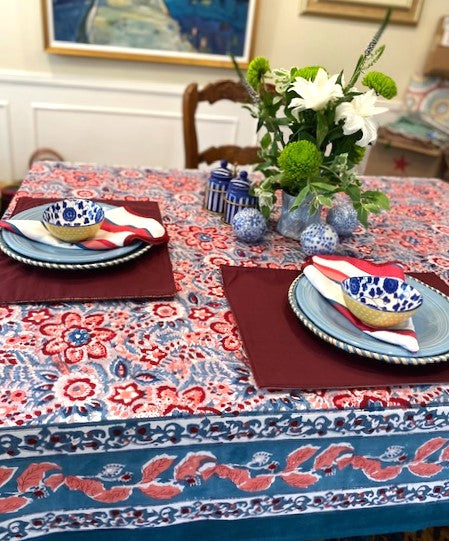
(238, 197)
(217, 186)
(292, 223)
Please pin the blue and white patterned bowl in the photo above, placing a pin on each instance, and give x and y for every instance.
(73, 220)
(380, 301)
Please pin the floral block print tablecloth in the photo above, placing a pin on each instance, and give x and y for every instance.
(145, 414)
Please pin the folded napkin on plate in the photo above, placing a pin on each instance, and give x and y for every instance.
(326, 272)
(120, 228)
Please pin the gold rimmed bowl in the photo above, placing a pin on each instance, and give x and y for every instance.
(73, 220)
(380, 301)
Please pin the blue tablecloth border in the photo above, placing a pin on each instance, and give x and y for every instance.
(102, 436)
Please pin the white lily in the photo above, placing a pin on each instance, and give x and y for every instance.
(357, 116)
(315, 94)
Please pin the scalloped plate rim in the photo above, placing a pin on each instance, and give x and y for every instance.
(74, 266)
(31, 249)
(373, 352)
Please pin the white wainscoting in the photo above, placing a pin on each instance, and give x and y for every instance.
(112, 123)
(5, 141)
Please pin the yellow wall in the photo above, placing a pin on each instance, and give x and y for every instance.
(282, 35)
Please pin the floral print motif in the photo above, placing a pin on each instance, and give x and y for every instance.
(118, 360)
(126, 394)
(79, 389)
(228, 332)
(37, 316)
(76, 338)
(204, 238)
(188, 400)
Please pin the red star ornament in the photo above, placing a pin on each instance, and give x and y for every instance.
(400, 164)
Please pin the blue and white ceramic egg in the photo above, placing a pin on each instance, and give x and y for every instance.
(249, 225)
(343, 218)
(319, 239)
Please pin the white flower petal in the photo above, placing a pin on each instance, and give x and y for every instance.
(369, 133)
(357, 114)
(315, 94)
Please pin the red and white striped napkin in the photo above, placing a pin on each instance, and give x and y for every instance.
(121, 227)
(326, 272)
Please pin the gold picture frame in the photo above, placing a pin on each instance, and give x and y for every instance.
(404, 11)
(193, 33)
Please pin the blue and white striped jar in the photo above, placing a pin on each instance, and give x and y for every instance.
(217, 186)
(238, 197)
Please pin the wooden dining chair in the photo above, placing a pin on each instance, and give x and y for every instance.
(213, 92)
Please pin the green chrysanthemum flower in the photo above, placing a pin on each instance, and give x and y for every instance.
(308, 72)
(256, 70)
(356, 154)
(300, 160)
(382, 84)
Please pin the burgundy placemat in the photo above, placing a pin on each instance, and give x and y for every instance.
(147, 276)
(285, 355)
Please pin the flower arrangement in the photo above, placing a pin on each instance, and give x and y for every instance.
(316, 130)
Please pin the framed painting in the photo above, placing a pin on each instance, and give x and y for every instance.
(199, 32)
(404, 11)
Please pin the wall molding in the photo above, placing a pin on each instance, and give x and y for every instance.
(112, 122)
(26, 78)
(120, 111)
(6, 160)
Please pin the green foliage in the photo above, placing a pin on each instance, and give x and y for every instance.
(306, 146)
(256, 70)
(300, 160)
(382, 84)
(309, 72)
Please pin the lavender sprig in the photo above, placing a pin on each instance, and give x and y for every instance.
(378, 34)
(252, 93)
(371, 55)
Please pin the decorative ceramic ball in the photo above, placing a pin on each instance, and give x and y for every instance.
(319, 239)
(343, 218)
(249, 225)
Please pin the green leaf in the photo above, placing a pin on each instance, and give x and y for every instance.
(372, 207)
(321, 128)
(382, 200)
(353, 192)
(267, 99)
(340, 78)
(362, 215)
(325, 200)
(265, 141)
(300, 197)
(324, 186)
(266, 211)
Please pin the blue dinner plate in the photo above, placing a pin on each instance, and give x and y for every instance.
(431, 325)
(54, 254)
